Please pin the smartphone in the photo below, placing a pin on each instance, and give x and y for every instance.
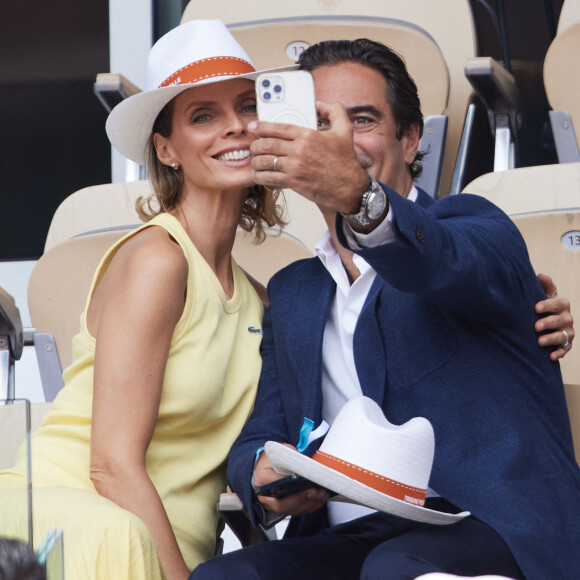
(287, 97)
(286, 486)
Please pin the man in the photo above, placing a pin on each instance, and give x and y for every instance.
(425, 307)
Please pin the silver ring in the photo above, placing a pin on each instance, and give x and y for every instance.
(275, 166)
(567, 341)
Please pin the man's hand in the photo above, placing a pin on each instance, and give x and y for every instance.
(320, 165)
(292, 505)
(559, 319)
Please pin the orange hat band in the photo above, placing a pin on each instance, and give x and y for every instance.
(217, 66)
(413, 495)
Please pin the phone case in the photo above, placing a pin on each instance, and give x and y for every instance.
(285, 486)
(287, 97)
(289, 485)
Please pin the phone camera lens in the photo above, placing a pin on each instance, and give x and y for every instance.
(277, 88)
(267, 96)
(265, 83)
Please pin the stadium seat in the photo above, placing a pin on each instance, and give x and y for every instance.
(497, 90)
(569, 15)
(562, 84)
(59, 285)
(531, 189)
(111, 205)
(553, 240)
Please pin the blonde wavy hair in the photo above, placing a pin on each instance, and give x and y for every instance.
(260, 208)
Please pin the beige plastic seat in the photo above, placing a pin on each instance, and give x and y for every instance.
(435, 43)
(59, 285)
(562, 84)
(531, 189)
(111, 205)
(553, 240)
(569, 15)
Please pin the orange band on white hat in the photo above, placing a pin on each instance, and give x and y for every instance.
(413, 495)
(217, 66)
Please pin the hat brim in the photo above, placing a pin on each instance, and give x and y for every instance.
(130, 123)
(287, 460)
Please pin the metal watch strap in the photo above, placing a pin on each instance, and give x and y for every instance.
(373, 203)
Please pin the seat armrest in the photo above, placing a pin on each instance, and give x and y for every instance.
(496, 87)
(232, 512)
(564, 137)
(112, 88)
(433, 145)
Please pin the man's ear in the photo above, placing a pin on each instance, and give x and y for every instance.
(411, 143)
(162, 149)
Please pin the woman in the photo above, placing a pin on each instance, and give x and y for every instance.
(130, 461)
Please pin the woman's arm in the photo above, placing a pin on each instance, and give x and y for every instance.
(132, 316)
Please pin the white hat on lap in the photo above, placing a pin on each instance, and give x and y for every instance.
(367, 460)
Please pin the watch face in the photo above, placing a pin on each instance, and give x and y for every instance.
(376, 204)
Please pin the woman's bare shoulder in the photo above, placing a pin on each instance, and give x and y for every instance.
(147, 274)
(150, 265)
(153, 251)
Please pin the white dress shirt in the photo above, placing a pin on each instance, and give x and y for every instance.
(339, 377)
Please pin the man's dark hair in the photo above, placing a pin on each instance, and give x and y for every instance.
(401, 89)
(19, 562)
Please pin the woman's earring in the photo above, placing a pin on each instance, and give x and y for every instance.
(175, 166)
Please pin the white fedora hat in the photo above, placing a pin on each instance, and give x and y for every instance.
(368, 460)
(195, 53)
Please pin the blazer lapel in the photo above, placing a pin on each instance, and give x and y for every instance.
(308, 313)
(369, 348)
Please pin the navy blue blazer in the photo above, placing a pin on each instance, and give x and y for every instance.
(447, 333)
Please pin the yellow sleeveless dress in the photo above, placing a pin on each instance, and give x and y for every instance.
(208, 393)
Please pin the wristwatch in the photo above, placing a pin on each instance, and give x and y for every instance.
(372, 206)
